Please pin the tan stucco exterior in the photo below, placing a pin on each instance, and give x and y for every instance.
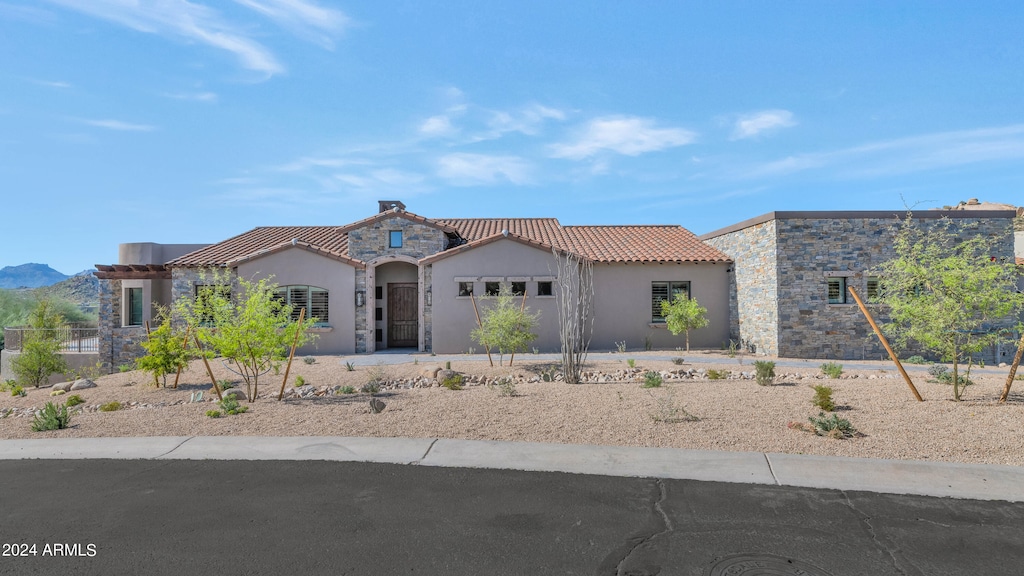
(297, 266)
(622, 304)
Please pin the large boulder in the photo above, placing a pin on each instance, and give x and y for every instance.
(82, 384)
(443, 375)
(430, 372)
(63, 386)
(236, 393)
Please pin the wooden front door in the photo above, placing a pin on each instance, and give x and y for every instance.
(403, 329)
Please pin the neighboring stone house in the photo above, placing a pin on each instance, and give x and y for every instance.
(788, 292)
(399, 280)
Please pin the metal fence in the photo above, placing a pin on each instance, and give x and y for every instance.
(72, 337)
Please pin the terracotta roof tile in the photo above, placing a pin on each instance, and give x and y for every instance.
(540, 229)
(247, 244)
(638, 244)
(395, 214)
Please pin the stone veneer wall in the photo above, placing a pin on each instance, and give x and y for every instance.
(117, 344)
(428, 309)
(753, 286)
(809, 250)
(371, 242)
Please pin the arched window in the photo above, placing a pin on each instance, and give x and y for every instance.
(313, 299)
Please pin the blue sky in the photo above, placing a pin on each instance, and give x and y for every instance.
(191, 121)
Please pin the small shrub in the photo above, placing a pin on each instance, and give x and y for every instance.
(57, 393)
(733, 347)
(371, 387)
(277, 368)
(18, 391)
(621, 347)
(299, 381)
(453, 382)
(718, 374)
(415, 361)
(347, 390)
(652, 379)
(8, 385)
(548, 375)
(376, 378)
(213, 413)
(668, 412)
(536, 350)
(74, 400)
(230, 406)
(631, 363)
(937, 370)
(126, 368)
(110, 406)
(823, 398)
(448, 365)
(51, 417)
(764, 372)
(648, 344)
(832, 369)
(915, 360)
(225, 384)
(678, 360)
(832, 426)
(309, 360)
(350, 367)
(507, 387)
(947, 378)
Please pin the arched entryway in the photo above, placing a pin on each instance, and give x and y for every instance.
(395, 314)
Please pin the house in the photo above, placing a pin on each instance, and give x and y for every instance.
(788, 292)
(400, 280)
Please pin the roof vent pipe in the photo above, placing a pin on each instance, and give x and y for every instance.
(504, 233)
(295, 241)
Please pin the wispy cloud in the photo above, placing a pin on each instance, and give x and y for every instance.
(628, 135)
(750, 125)
(527, 120)
(192, 96)
(52, 84)
(302, 18)
(905, 155)
(308, 162)
(436, 126)
(464, 169)
(119, 125)
(194, 22)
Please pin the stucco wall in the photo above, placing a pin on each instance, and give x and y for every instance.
(753, 286)
(297, 266)
(504, 260)
(622, 305)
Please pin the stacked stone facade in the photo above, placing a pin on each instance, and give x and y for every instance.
(373, 241)
(118, 345)
(781, 271)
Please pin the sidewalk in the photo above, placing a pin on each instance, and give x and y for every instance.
(968, 481)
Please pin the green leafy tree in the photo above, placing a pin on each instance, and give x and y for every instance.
(40, 348)
(506, 325)
(166, 350)
(946, 292)
(244, 322)
(683, 314)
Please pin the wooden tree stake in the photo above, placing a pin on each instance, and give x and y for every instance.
(302, 316)
(885, 343)
(209, 371)
(1013, 369)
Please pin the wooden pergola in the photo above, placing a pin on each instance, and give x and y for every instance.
(132, 272)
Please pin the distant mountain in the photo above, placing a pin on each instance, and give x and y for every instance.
(29, 276)
(83, 289)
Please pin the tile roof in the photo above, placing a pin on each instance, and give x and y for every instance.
(640, 243)
(487, 240)
(396, 213)
(248, 244)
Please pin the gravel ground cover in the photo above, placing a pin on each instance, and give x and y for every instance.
(689, 410)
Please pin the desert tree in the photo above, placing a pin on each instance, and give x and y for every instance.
(40, 354)
(683, 314)
(505, 325)
(244, 322)
(166, 348)
(574, 283)
(948, 290)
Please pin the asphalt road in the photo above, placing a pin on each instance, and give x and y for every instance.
(312, 518)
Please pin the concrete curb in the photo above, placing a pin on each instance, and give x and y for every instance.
(969, 481)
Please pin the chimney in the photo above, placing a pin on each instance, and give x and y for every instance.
(388, 205)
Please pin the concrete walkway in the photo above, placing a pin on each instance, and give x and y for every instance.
(969, 481)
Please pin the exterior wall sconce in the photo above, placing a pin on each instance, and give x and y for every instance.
(428, 298)
(360, 298)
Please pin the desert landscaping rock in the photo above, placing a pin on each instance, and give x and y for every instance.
(236, 393)
(610, 408)
(83, 384)
(65, 386)
(377, 405)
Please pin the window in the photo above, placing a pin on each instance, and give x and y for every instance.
(378, 292)
(313, 299)
(518, 288)
(837, 290)
(378, 314)
(661, 291)
(465, 288)
(872, 287)
(134, 307)
(396, 239)
(544, 289)
(492, 288)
